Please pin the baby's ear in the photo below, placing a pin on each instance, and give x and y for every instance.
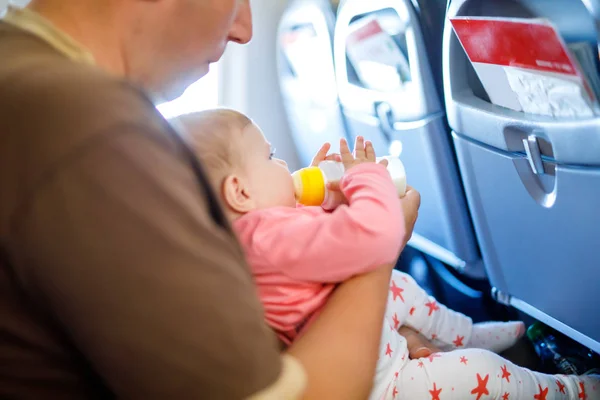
(236, 194)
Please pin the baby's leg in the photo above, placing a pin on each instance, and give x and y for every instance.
(409, 304)
(496, 336)
(481, 374)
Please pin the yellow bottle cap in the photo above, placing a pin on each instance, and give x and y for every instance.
(310, 186)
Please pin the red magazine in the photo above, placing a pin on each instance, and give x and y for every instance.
(525, 65)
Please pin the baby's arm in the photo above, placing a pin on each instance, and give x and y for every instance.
(310, 244)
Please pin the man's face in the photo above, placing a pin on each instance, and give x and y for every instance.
(181, 38)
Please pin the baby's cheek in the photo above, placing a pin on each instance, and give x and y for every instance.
(290, 193)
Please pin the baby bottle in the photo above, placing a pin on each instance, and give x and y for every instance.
(310, 183)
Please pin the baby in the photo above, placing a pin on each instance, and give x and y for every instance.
(299, 254)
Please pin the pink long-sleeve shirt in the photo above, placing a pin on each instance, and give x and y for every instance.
(298, 255)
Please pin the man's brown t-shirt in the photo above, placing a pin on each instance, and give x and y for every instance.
(118, 276)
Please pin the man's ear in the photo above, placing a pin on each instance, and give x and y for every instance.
(236, 194)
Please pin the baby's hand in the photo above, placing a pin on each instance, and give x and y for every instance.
(323, 156)
(363, 153)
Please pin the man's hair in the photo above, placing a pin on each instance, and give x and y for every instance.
(215, 136)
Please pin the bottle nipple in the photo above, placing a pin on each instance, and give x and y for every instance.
(309, 186)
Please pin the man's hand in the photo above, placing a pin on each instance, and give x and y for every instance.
(410, 206)
(418, 346)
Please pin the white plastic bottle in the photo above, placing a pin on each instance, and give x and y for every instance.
(310, 183)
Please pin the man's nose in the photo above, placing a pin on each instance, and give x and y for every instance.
(241, 30)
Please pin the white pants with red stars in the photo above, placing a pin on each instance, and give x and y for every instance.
(462, 373)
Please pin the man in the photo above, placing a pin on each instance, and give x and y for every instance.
(119, 276)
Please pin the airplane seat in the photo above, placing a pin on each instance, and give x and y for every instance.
(432, 15)
(306, 76)
(532, 182)
(389, 93)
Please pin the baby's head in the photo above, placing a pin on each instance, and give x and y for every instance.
(239, 161)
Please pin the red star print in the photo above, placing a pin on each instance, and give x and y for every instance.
(542, 394)
(432, 305)
(388, 350)
(435, 393)
(481, 388)
(505, 373)
(505, 396)
(433, 336)
(464, 360)
(396, 374)
(432, 356)
(459, 341)
(561, 387)
(395, 392)
(412, 310)
(396, 291)
(582, 394)
(420, 364)
(396, 321)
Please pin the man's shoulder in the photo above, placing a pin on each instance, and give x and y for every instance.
(54, 111)
(45, 85)
(55, 104)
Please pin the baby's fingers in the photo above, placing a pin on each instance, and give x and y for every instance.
(359, 148)
(321, 155)
(370, 151)
(334, 157)
(333, 186)
(345, 154)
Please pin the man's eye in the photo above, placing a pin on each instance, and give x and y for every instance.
(272, 154)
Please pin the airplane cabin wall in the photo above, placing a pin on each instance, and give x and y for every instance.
(249, 80)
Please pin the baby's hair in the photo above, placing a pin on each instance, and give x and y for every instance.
(215, 136)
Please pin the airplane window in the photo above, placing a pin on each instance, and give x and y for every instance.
(18, 3)
(201, 95)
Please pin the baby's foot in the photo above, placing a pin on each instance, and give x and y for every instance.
(496, 336)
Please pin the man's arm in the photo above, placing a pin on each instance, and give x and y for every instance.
(118, 245)
(340, 349)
